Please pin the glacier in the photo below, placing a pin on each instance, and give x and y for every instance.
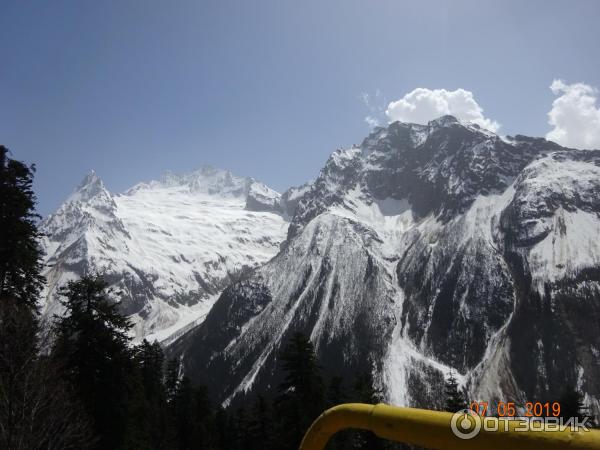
(169, 247)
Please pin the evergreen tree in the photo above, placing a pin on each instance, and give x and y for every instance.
(455, 398)
(193, 419)
(148, 403)
(20, 256)
(37, 410)
(172, 379)
(18, 353)
(572, 404)
(239, 426)
(205, 419)
(260, 426)
(336, 394)
(223, 434)
(20, 282)
(92, 341)
(364, 391)
(301, 397)
(183, 409)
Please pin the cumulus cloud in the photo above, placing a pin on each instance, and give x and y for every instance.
(422, 105)
(574, 115)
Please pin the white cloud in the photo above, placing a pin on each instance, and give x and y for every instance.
(422, 105)
(372, 121)
(374, 103)
(574, 115)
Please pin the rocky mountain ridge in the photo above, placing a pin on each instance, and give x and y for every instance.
(426, 249)
(168, 246)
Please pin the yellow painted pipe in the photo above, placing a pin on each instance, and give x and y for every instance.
(432, 429)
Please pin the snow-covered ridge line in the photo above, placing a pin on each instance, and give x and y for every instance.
(170, 246)
(426, 249)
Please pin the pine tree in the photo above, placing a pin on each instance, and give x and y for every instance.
(20, 256)
(20, 282)
(192, 417)
(336, 394)
(260, 425)
(183, 408)
(206, 429)
(223, 434)
(37, 410)
(572, 404)
(455, 398)
(172, 379)
(364, 391)
(148, 402)
(301, 397)
(92, 341)
(239, 426)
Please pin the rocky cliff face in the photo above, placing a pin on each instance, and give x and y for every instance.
(428, 248)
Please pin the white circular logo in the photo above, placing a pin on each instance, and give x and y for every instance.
(465, 424)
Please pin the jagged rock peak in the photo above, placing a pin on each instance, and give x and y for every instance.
(207, 180)
(91, 186)
(443, 121)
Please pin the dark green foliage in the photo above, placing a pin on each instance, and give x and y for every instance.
(37, 409)
(239, 424)
(364, 392)
(92, 341)
(301, 394)
(18, 347)
(223, 434)
(572, 405)
(260, 424)
(20, 264)
(364, 389)
(336, 393)
(172, 379)
(192, 418)
(183, 410)
(135, 402)
(148, 403)
(455, 398)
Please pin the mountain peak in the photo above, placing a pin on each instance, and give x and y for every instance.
(90, 178)
(208, 180)
(91, 186)
(443, 121)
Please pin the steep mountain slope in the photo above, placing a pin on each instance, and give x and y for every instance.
(169, 246)
(426, 249)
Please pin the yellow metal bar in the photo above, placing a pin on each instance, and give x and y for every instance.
(432, 429)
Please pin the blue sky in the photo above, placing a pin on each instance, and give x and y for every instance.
(269, 88)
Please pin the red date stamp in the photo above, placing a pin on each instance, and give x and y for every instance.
(511, 409)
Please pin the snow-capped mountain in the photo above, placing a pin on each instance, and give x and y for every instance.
(169, 247)
(426, 249)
